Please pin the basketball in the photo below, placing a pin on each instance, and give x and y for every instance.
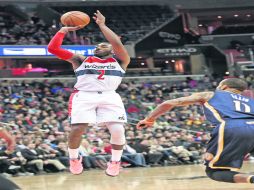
(75, 18)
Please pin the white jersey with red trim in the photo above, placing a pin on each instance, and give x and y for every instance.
(96, 74)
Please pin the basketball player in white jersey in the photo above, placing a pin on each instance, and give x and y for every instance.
(94, 99)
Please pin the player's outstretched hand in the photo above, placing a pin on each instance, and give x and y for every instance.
(67, 29)
(145, 123)
(99, 18)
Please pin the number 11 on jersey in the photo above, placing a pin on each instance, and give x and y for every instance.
(239, 105)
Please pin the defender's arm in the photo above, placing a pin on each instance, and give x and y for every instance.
(197, 98)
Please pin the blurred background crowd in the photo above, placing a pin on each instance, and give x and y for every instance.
(166, 40)
(37, 115)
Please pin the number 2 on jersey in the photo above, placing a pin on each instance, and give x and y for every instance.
(102, 72)
(238, 106)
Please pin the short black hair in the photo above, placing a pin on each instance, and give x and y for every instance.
(236, 83)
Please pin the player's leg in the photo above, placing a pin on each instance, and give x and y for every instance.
(74, 140)
(81, 112)
(243, 178)
(117, 141)
(112, 113)
(6, 184)
(229, 176)
(75, 137)
(226, 151)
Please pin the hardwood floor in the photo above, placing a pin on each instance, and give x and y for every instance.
(188, 177)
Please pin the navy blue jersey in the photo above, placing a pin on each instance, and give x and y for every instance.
(228, 107)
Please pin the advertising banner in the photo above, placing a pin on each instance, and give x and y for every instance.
(24, 51)
(176, 52)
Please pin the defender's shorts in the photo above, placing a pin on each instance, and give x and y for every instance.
(230, 143)
(96, 107)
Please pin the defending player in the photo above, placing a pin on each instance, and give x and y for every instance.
(6, 184)
(94, 99)
(232, 138)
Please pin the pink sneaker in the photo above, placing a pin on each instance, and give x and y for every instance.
(76, 166)
(113, 168)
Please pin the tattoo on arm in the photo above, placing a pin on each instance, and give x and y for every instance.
(200, 98)
(184, 101)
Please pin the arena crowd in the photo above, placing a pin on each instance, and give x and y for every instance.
(37, 115)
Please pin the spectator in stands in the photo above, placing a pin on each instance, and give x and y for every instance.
(49, 156)
(35, 111)
(91, 158)
(62, 153)
(33, 158)
(132, 154)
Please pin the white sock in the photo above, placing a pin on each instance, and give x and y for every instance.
(73, 153)
(116, 155)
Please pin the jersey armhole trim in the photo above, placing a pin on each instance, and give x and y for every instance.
(122, 70)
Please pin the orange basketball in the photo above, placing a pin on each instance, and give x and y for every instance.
(75, 18)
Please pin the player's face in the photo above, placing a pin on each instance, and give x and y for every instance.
(103, 50)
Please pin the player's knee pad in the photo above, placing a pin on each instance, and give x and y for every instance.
(117, 133)
(221, 175)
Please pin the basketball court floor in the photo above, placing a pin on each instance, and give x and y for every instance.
(188, 177)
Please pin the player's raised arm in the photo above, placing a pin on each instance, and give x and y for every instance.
(54, 47)
(197, 98)
(118, 48)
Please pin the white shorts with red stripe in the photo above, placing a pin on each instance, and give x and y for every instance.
(96, 107)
